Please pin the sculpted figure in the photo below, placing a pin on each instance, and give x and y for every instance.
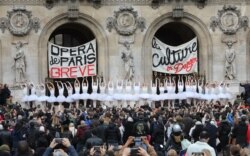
(19, 64)
(128, 60)
(230, 62)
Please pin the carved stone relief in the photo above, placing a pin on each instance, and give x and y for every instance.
(19, 21)
(73, 10)
(125, 21)
(229, 20)
(178, 12)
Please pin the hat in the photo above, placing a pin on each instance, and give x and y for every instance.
(1, 127)
(5, 148)
(198, 123)
(130, 119)
(41, 129)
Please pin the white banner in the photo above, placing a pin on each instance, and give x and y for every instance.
(181, 59)
(72, 62)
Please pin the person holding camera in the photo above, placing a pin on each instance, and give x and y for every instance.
(136, 151)
(59, 151)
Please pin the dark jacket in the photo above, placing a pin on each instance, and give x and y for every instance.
(212, 132)
(71, 151)
(112, 134)
(5, 138)
(240, 134)
(224, 130)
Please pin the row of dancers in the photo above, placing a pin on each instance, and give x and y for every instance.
(127, 91)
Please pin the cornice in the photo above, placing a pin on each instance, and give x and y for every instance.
(121, 2)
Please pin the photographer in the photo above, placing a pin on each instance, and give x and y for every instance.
(63, 141)
(126, 151)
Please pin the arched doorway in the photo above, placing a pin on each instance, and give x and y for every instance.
(173, 34)
(196, 26)
(61, 22)
(71, 35)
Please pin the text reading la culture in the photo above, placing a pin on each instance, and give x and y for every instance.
(78, 56)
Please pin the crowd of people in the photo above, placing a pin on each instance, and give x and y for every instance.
(180, 116)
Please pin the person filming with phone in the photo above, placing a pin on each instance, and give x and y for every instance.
(60, 147)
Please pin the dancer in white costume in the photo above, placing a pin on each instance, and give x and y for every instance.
(153, 96)
(25, 91)
(109, 98)
(69, 88)
(76, 96)
(32, 97)
(200, 88)
(128, 97)
(137, 91)
(189, 89)
(181, 95)
(52, 97)
(162, 93)
(84, 95)
(207, 96)
(119, 93)
(102, 95)
(60, 98)
(42, 98)
(229, 95)
(144, 93)
(94, 94)
(171, 92)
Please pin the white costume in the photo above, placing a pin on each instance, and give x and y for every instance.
(84, 95)
(60, 98)
(52, 97)
(33, 96)
(25, 93)
(42, 96)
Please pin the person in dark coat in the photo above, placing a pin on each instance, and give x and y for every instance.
(112, 134)
(128, 129)
(212, 131)
(23, 149)
(239, 132)
(5, 93)
(224, 130)
(5, 135)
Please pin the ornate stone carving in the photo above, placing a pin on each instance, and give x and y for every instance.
(73, 11)
(201, 3)
(229, 20)
(156, 3)
(125, 21)
(178, 12)
(3, 23)
(19, 21)
(49, 3)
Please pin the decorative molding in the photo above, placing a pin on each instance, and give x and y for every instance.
(96, 3)
(201, 3)
(156, 3)
(229, 20)
(19, 21)
(125, 21)
(178, 12)
(73, 11)
(49, 4)
(119, 2)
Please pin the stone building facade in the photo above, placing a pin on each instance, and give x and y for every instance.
(218, 25)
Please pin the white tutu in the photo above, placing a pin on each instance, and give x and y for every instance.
(69, 99)
(84, 96)
(76, 96)
(155, 97)
(42, 98)
(60, 98)
(181, 96)
(101, 97)
(144, 96)
(118, 97)
(109, 98)
(93, 96)
(51, 99)
(25, 98)
(32, 97)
